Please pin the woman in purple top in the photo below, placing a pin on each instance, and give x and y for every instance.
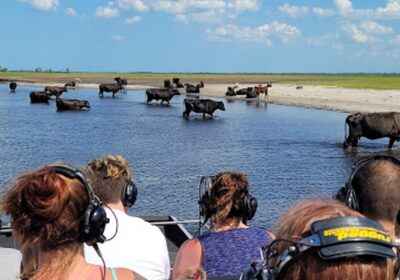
(232, 246)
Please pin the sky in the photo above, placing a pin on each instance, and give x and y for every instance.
(229, 36)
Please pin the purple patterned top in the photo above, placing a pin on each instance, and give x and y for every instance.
(232, 251)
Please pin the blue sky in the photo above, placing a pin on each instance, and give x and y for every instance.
(271, 36)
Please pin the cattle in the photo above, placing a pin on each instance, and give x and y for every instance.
(122, 81)
(230, 92)
(163, 94)
(70, 84)
(72, 104)
(13, 86)
(372, 126)
(39, 97)
(202, 106)
(262, 89)
(176, 83)
(299, 87)
(244, 91)
(114, 88)
(56, 91)
(167, 84)
(194, 89)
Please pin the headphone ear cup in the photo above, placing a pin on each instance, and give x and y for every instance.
(130, 194)
(352, 200)
(252, 204)
(95, 223)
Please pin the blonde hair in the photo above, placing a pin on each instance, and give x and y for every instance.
(108, 177)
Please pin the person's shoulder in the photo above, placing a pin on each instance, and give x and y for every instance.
(126, 274)
(191, 244)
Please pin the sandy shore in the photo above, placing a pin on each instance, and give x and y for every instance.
(316, 97)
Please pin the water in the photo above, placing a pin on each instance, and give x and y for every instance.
(288, 153)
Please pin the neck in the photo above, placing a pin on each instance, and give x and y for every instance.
(389, 227)
(229, 223)
(118, 205)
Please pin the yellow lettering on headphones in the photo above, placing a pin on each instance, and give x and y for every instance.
(357, 232)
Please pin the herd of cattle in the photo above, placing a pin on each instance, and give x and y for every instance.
(369, 125)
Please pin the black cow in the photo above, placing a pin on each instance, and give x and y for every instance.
(70, 84)
(194, 89)
(56, 91)
(202, 106)
(167, 84)
(244, 91)
(13, 86)
(71, 104)
(39, 97)
(372, 126)
(163, 94)
(122, 81)
(114, 88)
(230, 92)
(177, 83)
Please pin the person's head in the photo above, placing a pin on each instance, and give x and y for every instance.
(229, 197)
(295, 225)
(110, 176)
(376, 184)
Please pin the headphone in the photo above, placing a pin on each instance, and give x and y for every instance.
(347, 193)
(334, 238)
(246, 209)
(95, 218)
(129, 194)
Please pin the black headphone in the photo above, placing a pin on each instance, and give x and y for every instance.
(246, 209)
(129, 194)
(334, 238)
(347, 193)
(95, 218)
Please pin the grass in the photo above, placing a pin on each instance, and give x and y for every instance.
(358, 81)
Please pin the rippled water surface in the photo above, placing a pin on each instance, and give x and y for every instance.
(288, 153)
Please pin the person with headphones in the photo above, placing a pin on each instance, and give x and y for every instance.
(55, 211)
(373, 189)
(231, 246)
(326, 240)
(137, 244)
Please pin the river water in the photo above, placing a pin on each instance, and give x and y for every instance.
(288, 153)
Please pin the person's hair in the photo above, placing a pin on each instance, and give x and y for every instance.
(227, 193)
(108, 177)
(377, 186)
(46, 212)
(295, 224)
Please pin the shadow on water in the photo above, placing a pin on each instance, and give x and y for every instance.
(288, 153)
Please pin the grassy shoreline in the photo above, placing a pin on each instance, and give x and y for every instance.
(354, 81)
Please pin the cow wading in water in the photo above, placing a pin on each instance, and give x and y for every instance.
(56, 91)
(372, 126)
(114, 88)
(72, 104)
(13, 86)
(39, 97)
(194, 89)
(202, 106)
(163, 94)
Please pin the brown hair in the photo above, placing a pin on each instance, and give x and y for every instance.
(227, 194)
(108, 177)
(46, 212)
(377, 185)
(295, 224)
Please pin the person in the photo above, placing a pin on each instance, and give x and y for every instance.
(232, 245)
(373, 189)
(54, 211)
(354, 259)
(137, 244)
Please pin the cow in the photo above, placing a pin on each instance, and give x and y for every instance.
(163, 94)
(372, 126)
(71, 104)
(202, 106)
(167, 84)
(230, 92)
(262, 89)
(13, 86)
(122, 81)
(70, 84)
(56, 91)
(39, 97)
(114, 88)
(244, 91)
(299, 87)
(194, 89)
(176, 83)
